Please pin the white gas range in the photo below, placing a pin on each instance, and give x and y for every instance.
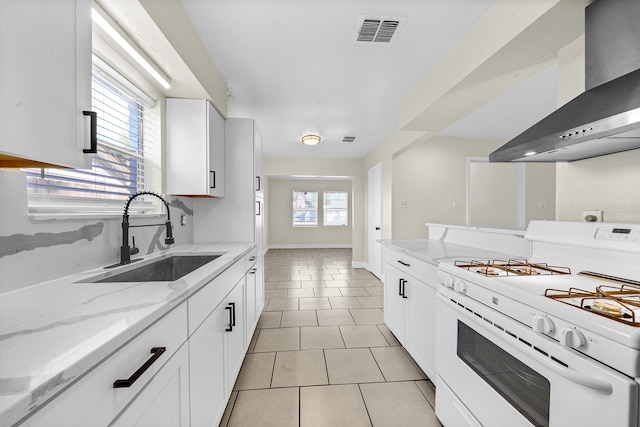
(551, 340)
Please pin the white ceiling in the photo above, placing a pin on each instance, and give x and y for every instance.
(294, 66)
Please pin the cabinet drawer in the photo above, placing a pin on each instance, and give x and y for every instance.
(419, 269)
(206, 299)
(93, 400)
(250, 259)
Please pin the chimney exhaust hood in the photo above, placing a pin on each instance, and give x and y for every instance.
(605, 118)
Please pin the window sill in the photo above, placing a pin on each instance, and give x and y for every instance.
(89, 215)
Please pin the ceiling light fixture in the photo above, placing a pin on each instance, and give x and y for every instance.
(105, 22)
(311, 139)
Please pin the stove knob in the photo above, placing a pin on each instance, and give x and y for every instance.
(542, 324)
(448, 282)
(460, 286)
(572, 337)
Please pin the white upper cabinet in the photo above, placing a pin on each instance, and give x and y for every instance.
(195, 148)
(45, 83)
(233, 219)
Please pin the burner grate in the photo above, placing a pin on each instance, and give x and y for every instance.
(512, 267)
(619, 301)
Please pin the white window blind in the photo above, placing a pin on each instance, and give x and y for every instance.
(335, 208)
(305, 208)
(122, 164)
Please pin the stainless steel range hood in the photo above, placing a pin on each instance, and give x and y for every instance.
(606, 118)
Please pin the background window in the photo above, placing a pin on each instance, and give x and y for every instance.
(335, 208)
(119, 169)
(305, 208)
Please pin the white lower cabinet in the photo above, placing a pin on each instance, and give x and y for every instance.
(165, 400)
(189, 382)
(207, 353)
(93, 400)
(216, 352)
(410, 306)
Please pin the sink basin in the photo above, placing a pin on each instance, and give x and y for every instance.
(164, 270)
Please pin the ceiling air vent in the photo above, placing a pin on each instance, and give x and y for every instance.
(378, 29)
(348, 139)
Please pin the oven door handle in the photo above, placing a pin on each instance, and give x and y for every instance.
(594, 383)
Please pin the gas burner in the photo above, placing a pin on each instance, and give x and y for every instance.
(510, 268)
(618, 301)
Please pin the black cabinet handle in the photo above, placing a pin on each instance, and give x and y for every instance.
(230, 328)
(404, 263)
(259, 210)
(253, 258)
(400, 286)
(253, 271)
(94, 132)
(404, 282)
(377, 228)
(259, 183)
(213, 179)
(233, 313)
(157, 352)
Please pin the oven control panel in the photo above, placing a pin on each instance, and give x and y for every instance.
(628, 234)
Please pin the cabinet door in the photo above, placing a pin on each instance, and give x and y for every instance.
(259, 223)
(165, 400)
(236, 337)
(250, 307)
(207, 350)
(195, 148)
(420, 332)
(257, 161)
(394, 303)
(45, 82)
(215, 128)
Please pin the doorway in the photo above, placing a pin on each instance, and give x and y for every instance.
(374, 220)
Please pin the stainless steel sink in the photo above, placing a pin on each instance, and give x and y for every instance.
(164, 270)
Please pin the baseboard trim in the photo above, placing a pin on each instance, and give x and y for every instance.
(360, 264)
(313, 246)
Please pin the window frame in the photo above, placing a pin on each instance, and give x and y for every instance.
(326, 209)
(296, 210)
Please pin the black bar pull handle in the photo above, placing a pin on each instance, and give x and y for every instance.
(259, 210)
(230, 328)
(213, 179)
(94, 132)
(259, 183)
(157, 352)
(253, 258)
(377, 228)
(253, 271)
(404, 263)
(233, 313)
(404, 283)
(400, 286)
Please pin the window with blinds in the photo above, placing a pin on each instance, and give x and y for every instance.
(122, 164)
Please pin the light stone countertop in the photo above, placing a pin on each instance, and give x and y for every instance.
(54, 332)
(437, 251)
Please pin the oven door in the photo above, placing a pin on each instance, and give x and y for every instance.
(494, 371)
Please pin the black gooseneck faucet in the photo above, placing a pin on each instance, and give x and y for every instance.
(125, 250)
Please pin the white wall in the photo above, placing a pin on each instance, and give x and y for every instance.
(281, 230)
(431, 178)
(284, 166)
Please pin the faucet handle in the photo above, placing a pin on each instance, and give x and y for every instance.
(133, 250)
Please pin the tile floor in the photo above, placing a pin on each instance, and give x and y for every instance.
(322, 356)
